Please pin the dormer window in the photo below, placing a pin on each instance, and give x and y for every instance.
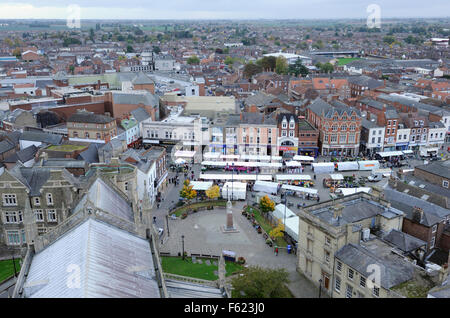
(49, 199)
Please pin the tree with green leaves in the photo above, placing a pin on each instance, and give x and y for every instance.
(298, 68)
(251, 69)
(229, 60)
(325, 67)
(268, 63)
(258, 282)
(130, 49)
(389, 39)
(193, 60)
(156, 49)
(281, 65)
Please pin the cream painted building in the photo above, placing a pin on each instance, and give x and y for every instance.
(327, 227)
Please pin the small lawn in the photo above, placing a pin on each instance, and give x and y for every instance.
(178, 266)
(183, 209)
(66, 148)
(344, 61)
(7, 269)
(266, 226)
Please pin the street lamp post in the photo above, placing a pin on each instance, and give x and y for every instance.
(320, 287)
(167, 221)
(182, 244)
(14, 265)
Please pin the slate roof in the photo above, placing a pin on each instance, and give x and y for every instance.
(90, 155)
(142, 79)
(432, 214)
(403, 241)
(41, 137)
(366, 81)
(319, 107)
(259, 99)
(439, 168)
(146, 99)
(394, 270)
(23, 155)
(35, 178)
(105, 198)
(354, 211)
(6, 146)
(140, 114)
(91, 118)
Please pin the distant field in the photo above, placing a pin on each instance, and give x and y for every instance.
(344, 61)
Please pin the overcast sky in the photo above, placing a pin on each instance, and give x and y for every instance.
(220, 9)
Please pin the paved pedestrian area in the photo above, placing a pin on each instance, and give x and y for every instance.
(203, 235)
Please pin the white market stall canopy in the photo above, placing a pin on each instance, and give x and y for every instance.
(293, 164)
(236, 189)
(280, 210)
(348, 166)
(350, 191)
(408, 152)
(293, 177)
(323, 167)
(390, 153)
(252, 164)
(180, 161)
(211, 155)
(229, 176)
(337, 177)
(303, 158)
(230, 157)
(299, 189)
(185, 154)
(369, 165)
(255, 157)
(201, 185)
(265, 186)
(291, 219)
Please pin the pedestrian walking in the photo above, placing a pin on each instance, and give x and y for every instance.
(318, 199)
(154, 219)
(276, 251)
(158, 205)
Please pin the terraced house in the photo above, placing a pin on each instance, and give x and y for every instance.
(89, 127)
(339, 126)
(33, 201)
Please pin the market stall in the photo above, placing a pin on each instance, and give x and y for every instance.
(304, 159)
(229, 176)
(348, 166)
(234, 191)
(349, 191)
(289, 219)
(300, 191)
(369, 165)
(266, 186)
(323, 167)
(333, 181)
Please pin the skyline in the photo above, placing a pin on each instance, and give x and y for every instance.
(221, 10)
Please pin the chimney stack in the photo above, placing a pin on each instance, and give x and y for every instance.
(417, 214)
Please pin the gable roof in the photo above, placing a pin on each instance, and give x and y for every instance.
(404, 241)
(41, 137)
(112, 264)
(394, 270)
(23, 155)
